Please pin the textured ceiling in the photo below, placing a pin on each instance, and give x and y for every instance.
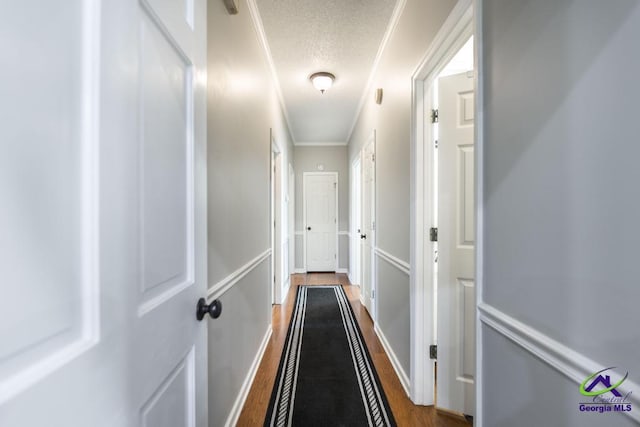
(338, 36)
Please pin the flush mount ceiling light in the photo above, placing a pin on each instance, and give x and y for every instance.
(322, 80)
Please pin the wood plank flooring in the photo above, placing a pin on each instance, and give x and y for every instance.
(405, 412)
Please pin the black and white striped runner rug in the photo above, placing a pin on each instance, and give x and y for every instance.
(326, 376)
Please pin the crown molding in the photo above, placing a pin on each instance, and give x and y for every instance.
(262, 38)
(393, 23)
(320, 144)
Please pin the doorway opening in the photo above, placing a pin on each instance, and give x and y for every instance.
(291, 236)
(443, 220)
(279, 255)
(355, 275)
(453, 201)
(367, 234)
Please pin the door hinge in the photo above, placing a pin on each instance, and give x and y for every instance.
(435, 143)
(335, 256)
(373, 157)
(433, 234)
(433, 352)
(434, 116)
(373, 225)
(373, 294)
(335, 185)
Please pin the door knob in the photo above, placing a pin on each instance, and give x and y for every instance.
(308, 228)
(363, 236)
(214, 309)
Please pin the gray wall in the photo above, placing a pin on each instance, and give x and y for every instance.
(242, 107)
(334, 159)
(560, 199)
(418, 24)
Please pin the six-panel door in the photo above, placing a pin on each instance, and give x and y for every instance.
(320, 221)
(456, 245)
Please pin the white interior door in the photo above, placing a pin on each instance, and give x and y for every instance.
(320, 203)
(103, 219)
(367, 233)
(456, 245)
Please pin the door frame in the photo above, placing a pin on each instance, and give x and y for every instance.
(453, 34)
(355, 256)
(291, 216)
(373, 263)
(276, 220)
(305, 175)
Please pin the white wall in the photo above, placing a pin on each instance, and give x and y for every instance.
(242, 107)
(334, 159)
(418, 24)
(560, 82)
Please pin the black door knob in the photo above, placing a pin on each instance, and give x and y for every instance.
(308, 228)
(214, 309)
(363, 236)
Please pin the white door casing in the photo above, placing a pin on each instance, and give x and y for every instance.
(279, 214)
(273, 276)
(368, 231)
(320, 205)
(291, 219)
(356, 220)
(104, 220)
(451, 37)
(456, 245)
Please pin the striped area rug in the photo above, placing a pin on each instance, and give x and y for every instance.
(326, 376)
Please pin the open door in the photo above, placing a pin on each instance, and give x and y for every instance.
(367, 233)
(103, 247)
(456, 245)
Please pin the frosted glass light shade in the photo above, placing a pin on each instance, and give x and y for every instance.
(322, 80)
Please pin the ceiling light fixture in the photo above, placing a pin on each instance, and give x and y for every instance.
(322, 80)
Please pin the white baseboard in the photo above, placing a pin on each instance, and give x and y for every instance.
(402, 375)
(303, 271)
(232, 419)
(349, 275)
(285, 290)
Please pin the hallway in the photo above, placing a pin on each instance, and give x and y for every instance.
(406, 413)
(160, 159)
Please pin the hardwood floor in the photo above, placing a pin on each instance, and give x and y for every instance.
(405, 412)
